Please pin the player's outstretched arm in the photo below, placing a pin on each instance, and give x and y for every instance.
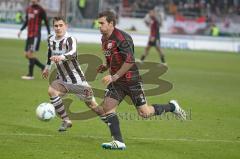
(23, 26)
(112, 78)
(102, 68)
(45, 73)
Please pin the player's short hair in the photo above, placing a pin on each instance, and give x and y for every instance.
(58, 19)
(110, 16)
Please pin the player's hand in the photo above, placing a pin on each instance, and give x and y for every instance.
(102, 68)
(45, 73)
(19, 34)
(109, 79)
(56, 59)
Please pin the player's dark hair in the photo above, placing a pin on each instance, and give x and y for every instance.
(58, 19)
(110, 16)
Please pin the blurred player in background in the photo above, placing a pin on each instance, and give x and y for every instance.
(62, 50)
(124, 80)
(35, 14)
(154, 23)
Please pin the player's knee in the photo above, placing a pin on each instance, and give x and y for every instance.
(26, 56)
(97, 109)
(144, 113)
(108, 108)
(29, 55)
(52, 92)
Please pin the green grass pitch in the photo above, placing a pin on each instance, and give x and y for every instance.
(206, 84)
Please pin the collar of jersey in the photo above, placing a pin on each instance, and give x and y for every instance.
(65, 35)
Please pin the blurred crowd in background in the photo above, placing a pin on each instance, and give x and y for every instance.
(224, 14)
(188, 7)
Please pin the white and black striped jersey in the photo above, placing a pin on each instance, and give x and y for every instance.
(69, 69)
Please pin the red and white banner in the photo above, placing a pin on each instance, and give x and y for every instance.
(184, 25)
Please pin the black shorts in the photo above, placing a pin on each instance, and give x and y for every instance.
(119, 90)
(33, 43)
(156, 42)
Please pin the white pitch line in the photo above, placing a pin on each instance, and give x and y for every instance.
(188, 140)
(25, 134)
(133, 138)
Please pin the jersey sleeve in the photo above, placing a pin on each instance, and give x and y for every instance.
(25, 21)
(44, 17)
(49, 54)
(72, 48)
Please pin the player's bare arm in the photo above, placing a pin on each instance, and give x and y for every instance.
(45, 73)
(102, 68)
(112, 78)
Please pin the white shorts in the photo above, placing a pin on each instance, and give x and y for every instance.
(83, 91)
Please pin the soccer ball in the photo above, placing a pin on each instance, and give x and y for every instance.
(45, 111)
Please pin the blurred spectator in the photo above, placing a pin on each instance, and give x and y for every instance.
(19, 17)
(214, 30)
(95, 24)
(173, 8)
(82, 6)
(191, 7)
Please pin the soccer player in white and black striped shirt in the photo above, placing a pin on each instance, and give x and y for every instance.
(62, 50)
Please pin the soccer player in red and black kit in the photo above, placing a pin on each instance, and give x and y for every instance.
(123, 79)
(34, 16)
(154, 38)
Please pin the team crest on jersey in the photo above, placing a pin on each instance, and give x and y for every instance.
(108, 48)
(109, 45)
(35, 11)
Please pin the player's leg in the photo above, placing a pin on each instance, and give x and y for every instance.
(146, 52)
(111, 119)
(32, 45)
(146, 111)
(32, 62)
(160, 52)
(136, 93)
(36, 46)
(85, 93)
(92, 104)
(55, 91)
(113, 96)
(28, 55)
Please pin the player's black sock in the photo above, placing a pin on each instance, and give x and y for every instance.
(142, 57)
(113, 123)
(104, 119)
(160, 108)
(31, 66)
(163, 59)
(59, 107)
(39, 64)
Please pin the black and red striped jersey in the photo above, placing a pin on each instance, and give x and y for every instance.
(119, 49)
(34, 16)
(154, 28)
